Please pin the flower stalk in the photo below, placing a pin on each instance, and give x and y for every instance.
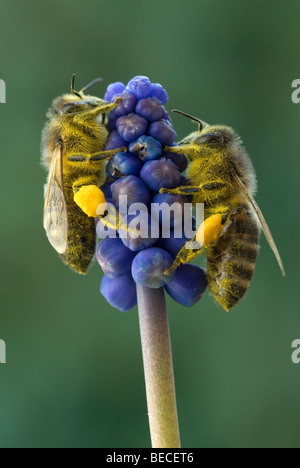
(158, 368)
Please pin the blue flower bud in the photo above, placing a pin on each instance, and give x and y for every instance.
(162, 131)
(114, 89)
(150, 108)
(106, 190)
(172, 244)
(140, 86)
(188, 285)
(166, 116)
(134, 188)
(142, 231)
(114, 258)
(131, 126)
(111, 124)
(179, 159)
(114, 141)
(169, 199)
(149, 266)
(158, 92)
(184, 182)
(126, 106)
(124, 164)
(146, 147)
(111, 172)
(119, 292)
(161, 173)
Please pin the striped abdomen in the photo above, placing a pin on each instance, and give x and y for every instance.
(231, 259)
(81, 236)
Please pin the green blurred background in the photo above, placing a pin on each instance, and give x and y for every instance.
(74, 375)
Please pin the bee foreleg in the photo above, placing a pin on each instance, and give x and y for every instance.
(102, 155)
(212, 186)
(102, 109)
(190, 190)
(188, 149)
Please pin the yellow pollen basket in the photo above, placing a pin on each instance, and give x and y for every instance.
(209, 230)
(89, 198)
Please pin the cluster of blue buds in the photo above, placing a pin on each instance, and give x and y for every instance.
(142, 124)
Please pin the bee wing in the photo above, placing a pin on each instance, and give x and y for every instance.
(262, 221)
(55, 209)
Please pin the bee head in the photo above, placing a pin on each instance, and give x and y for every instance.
(207, 137)
(214, 136)
(76, 101)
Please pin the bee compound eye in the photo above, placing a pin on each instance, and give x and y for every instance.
(70, 108)
(211, 138)
(94, 102)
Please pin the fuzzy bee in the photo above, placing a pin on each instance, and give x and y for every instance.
(223, 178)
(72, 150)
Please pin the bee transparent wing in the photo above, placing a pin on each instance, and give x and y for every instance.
(262, 221)
(55, 209)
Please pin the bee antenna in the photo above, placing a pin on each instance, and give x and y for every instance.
(73, 91)
(92, 83)
(190, 117)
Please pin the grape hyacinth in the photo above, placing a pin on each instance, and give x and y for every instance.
(142, 124)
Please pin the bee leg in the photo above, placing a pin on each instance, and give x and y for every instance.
(186, 255)
(102, 155)
(84, 181)
(108, 106)
(191, 190)
(208, 232)
(102, 109)
(188, 149)
(215, 190)
(111, 219)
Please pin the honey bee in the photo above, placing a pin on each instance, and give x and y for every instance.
(223, 178)
(72, 150)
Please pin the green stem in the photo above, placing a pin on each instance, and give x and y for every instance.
(158, 367)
